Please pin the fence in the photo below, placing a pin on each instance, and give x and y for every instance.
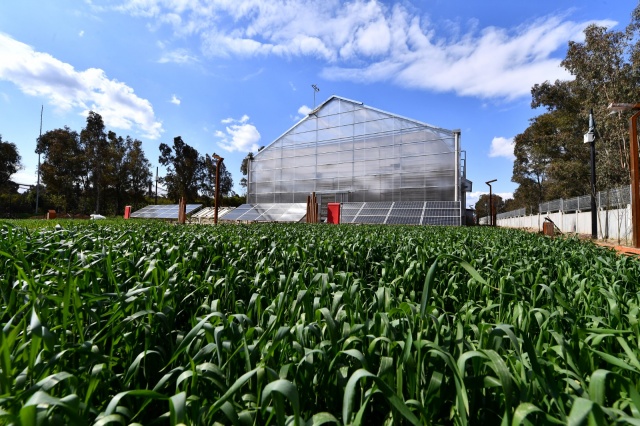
(613, 198)
(573, 215)
(512, 213)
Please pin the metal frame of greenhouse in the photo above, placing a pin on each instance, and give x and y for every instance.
(347, 152)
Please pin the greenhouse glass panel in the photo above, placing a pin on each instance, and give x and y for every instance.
(367, 154)
(346, 157)
(346, 118)
(329, 109)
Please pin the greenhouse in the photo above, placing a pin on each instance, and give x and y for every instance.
(347, 152)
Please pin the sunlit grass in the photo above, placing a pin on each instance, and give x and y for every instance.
(129, 321)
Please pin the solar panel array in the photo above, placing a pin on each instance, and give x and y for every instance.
(208, 213)
(276, 212)
(167, 211)
(402, 213)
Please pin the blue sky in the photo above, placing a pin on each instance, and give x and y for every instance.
(231, 75)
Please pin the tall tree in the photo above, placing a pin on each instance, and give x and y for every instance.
(209, 178)
(551, 160)
(115, 172)
(139, 171)
(482, 205)
(62, 169)
(94, 143)
(244, 169)
(9, 162)
(185, 168)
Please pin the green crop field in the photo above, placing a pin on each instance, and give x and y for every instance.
(153, 323)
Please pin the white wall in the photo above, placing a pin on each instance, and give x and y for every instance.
(612, 224)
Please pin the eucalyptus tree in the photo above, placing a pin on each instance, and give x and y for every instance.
(551, 160)
(185, 170)
(62, 170)
(209, 178)
(93, 139)
(9, 162)
(138, 170)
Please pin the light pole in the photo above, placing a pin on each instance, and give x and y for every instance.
(633, 165)
(218, 163)
(492, 219)
(38, 184)
(590, 137)
(315, 89)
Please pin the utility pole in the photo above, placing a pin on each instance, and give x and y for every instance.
(156, 185)
(38, 185)
(217, 195)
(492, 217)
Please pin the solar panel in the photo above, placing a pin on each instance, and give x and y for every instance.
(346, 218)
(373, 212)
(270, 216)
(406, 212)
(209, 213)
(268, 212)
(166, 211)
(369, 219)
(408, 205)
(441, 220)
(251, 215)
(237, 212)
(403, 220)
(351, 206)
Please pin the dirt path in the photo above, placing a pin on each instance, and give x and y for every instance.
(629, 251)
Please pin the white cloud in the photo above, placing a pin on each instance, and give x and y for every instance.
(178, 56)
(40, 74)
(81, 33)
(502, 147)
(175, 100)
(239, 135)
(24, 177)
(370, 41)
(473, 197)
(304, 110)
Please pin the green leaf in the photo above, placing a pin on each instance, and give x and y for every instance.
(523, 410)
(177, 408)
(394, 400)
(286, 389)
(579, 411)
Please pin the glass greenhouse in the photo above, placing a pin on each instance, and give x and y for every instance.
(347, 152)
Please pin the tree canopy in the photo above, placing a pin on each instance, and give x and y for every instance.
(93, 171)
(9, 162)
(551, 159)
(97, 170)
(185, 170)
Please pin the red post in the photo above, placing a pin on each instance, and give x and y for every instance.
(635, 179)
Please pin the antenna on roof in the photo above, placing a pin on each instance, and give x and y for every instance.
(315, 89)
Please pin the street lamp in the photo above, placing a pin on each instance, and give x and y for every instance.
(218, 163)
(633, 153)
(590, 137)
(315, 89)
(492, 219)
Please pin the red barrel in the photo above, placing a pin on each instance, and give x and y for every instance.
(127, 212)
